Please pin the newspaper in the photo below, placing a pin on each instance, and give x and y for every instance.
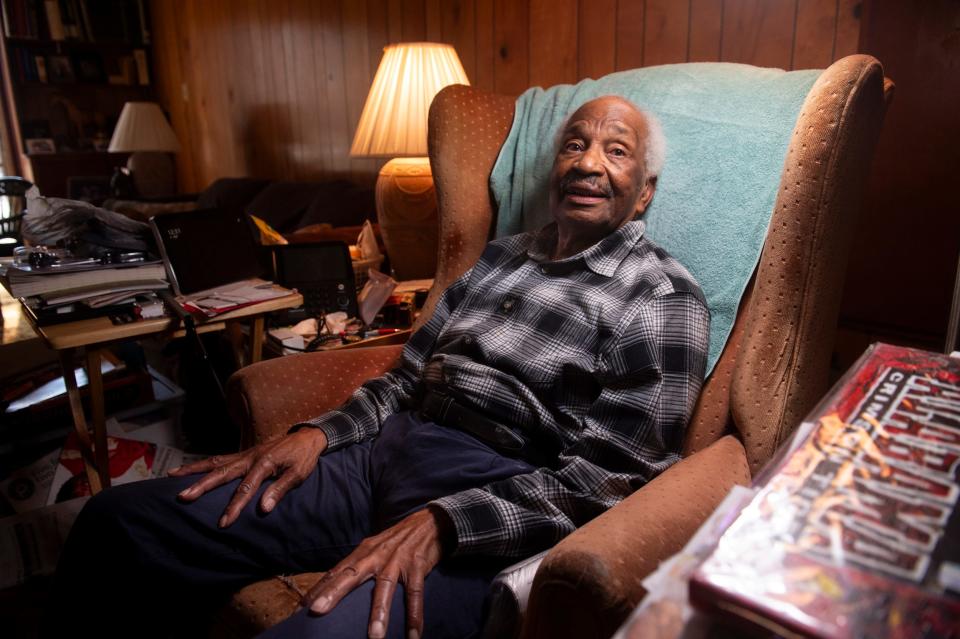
(130, 460)
(30, 543)
(27, 488)
(53, 221)
(221, 299)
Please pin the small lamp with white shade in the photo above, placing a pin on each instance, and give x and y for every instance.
(143, 131)
(393, 124)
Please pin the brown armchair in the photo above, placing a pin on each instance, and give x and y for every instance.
(771, 372)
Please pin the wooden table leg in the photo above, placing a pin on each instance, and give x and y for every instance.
(79, 420)
(101, 454)
(256, 339)
(234, 331)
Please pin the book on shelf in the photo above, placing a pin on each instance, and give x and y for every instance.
(54, 23)
(24, 19)
(94, 21)
(40, 63)
(24, 282)
(854, 530)
(70, 16)
(143, 71)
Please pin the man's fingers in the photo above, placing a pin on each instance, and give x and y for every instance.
(202, 466)
(217, 477)
(315, 592)
(279, 489)
(328, 592)
(408, 551)
(383, 590)
(413, 586)
(247, 489)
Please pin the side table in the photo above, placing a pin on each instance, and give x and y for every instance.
(95, 335)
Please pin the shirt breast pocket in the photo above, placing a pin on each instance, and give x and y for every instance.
(559, 358)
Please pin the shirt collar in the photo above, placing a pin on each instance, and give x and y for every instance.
(603, 258)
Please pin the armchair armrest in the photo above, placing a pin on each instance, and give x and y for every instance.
(267, 398)
(590, 581)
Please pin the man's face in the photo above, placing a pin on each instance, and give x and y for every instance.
(598, 182)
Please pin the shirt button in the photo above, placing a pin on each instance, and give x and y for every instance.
(507, 305)
(468, 340)
(543, 269)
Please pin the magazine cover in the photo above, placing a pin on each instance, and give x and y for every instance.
(854, 531)
(129, 459)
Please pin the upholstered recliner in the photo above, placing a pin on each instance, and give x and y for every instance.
(772, 370)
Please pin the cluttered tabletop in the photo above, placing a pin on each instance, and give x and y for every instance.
(92, 276)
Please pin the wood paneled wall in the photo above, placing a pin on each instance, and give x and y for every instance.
(904, 260)
(274, 88)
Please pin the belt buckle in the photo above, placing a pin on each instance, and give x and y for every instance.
(435, 406)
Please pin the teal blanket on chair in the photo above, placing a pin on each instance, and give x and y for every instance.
(727, 128)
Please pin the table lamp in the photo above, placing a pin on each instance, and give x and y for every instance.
(393, 124)
(143, 130)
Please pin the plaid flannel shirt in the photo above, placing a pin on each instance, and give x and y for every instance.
(602, 353)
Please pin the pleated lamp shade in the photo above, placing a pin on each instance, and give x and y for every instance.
(394, 118)
(143, 127)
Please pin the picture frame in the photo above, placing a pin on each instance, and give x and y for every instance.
(60, 69)
(88, 67)
(94, 189)
(40, 146)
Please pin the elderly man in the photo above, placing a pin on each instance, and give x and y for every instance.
(553, 379)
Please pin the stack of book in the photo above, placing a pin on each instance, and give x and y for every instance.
(85, 289)
(854, 529)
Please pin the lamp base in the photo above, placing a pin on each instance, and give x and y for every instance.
(407, 214)
(152, 173)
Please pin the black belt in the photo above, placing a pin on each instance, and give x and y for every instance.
(444, 410)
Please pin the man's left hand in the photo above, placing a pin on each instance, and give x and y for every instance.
(405, 552)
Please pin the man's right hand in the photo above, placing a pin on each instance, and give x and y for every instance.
(291, 459)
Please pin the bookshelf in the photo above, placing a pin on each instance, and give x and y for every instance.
(68, 68)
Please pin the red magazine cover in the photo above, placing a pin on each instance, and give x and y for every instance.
(128, 460)
(854, 530)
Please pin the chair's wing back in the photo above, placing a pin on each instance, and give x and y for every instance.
(467, 127)
(777, 365)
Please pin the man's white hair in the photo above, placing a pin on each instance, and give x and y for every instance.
(656, 151)
(656, 144)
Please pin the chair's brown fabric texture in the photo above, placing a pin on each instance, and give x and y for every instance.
(582, 581)
(771, 372)
(266, 399)
(711, 416)
(783, 362)
(466, 130)
(263, 604)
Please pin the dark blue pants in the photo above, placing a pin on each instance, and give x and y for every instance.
(159, 559)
